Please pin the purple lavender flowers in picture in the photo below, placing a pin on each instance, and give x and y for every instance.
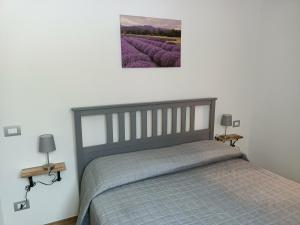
(150, 42)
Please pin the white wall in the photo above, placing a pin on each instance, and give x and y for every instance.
(275, 133)
(58, 54)
(1, 214)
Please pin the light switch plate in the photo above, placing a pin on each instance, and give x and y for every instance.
(236, 123)
(12, 131)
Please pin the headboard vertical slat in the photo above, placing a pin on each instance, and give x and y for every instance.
(212, 109)
(121, 119)
(87, 153)
(174, 120)
(144, 124)
(79, 144)
(132, 125)
(192, 118)
(109, 129)
(154, 123)
(183, 119)
(164, 121)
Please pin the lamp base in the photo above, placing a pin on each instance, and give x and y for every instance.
(49, 166)
(225, 135)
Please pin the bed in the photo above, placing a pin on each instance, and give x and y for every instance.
(176, 175)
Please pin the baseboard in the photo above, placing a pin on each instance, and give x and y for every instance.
(68, 221)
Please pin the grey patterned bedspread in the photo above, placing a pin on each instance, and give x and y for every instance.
(198, 183)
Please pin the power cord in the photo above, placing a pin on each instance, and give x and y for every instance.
(52, 181)
(28, 187)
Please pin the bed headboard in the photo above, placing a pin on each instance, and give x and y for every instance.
(166, 138)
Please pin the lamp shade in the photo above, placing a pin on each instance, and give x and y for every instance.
(226, 120)
(46, 143)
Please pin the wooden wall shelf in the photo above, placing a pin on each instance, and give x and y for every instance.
(39, 170)
(233, 138)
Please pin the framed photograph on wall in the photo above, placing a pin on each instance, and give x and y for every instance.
(150, 42)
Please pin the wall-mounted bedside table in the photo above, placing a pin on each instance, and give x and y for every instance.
(233, 138)
(40, 170)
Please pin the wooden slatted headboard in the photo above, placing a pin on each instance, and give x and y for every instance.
(88, 153)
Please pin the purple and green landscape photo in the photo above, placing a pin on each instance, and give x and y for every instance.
(150, 42)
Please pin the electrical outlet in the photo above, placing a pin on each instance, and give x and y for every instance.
(18, 206)
(236, 123)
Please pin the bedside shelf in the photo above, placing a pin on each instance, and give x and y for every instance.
(39, 170)
(233, 138)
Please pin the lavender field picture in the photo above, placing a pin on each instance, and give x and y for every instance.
(150, 42)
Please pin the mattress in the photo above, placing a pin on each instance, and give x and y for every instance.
(205, 183)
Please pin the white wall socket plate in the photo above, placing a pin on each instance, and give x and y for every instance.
(18, 206)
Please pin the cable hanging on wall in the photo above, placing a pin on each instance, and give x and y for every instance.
(28, 187)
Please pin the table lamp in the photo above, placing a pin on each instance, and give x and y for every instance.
(46, 145)
(226, 121)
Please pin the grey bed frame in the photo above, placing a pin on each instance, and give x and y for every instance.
(87, 154)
